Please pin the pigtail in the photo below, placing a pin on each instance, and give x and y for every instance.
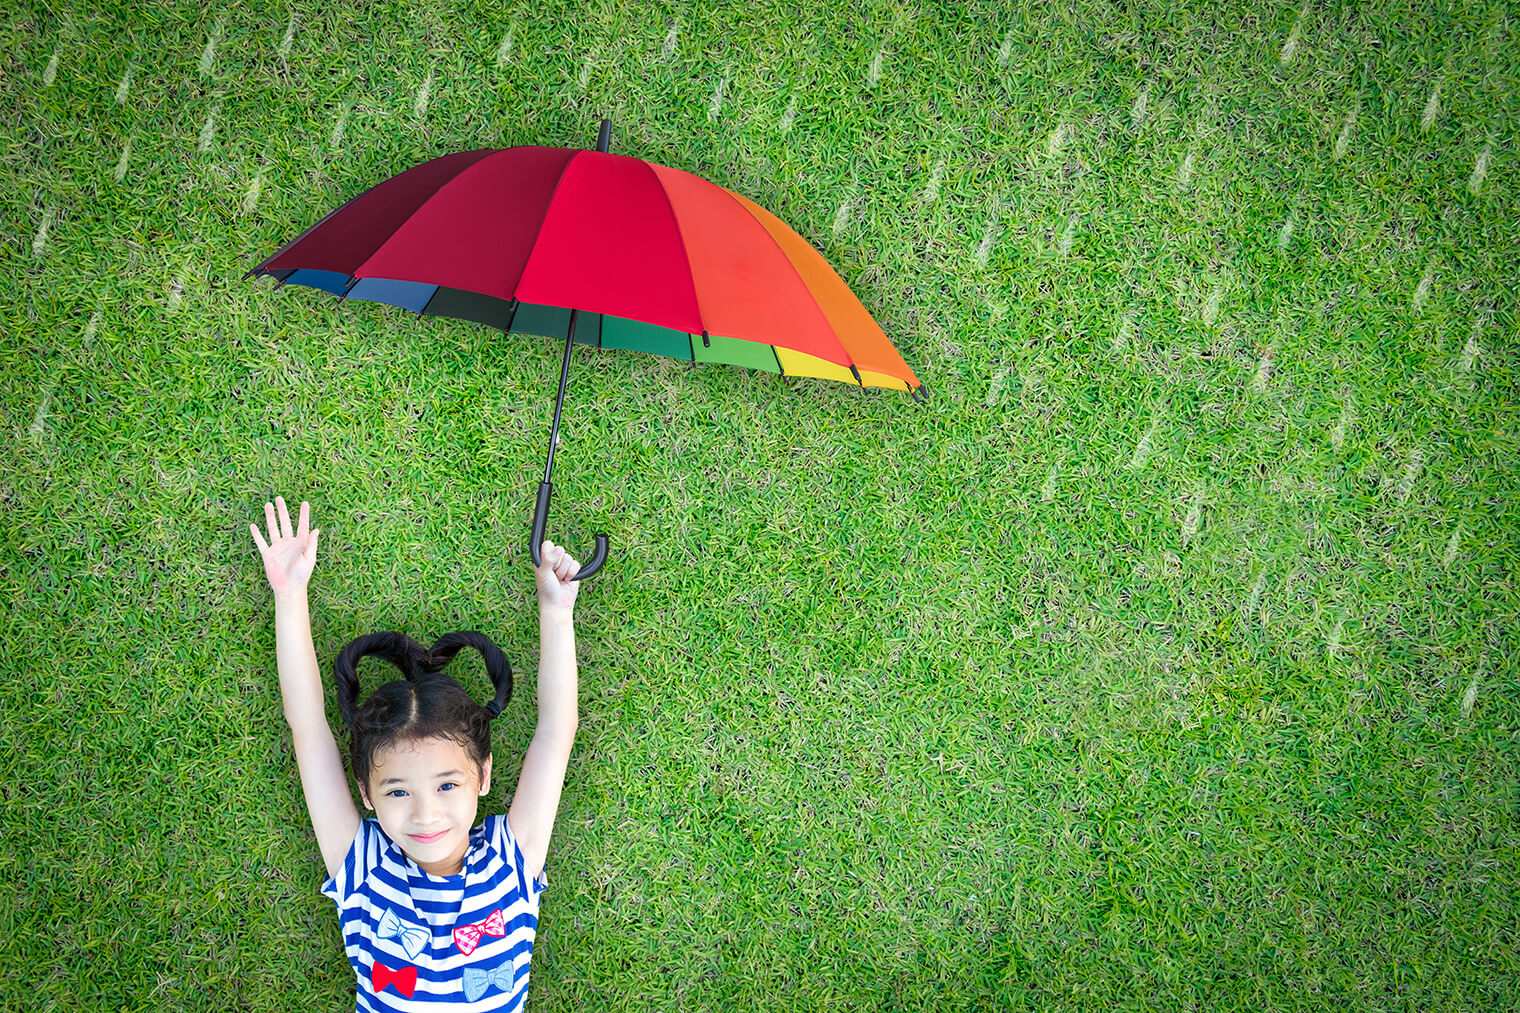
(399, 649)
(497, 665)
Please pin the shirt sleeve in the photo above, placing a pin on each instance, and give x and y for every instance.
(507, 844)
(363, 852)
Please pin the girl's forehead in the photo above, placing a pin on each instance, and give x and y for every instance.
(426, 756)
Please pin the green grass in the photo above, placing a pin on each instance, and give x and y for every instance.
(1126, 673)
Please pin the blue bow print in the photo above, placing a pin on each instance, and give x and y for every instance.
(413, 939)
(477, 980)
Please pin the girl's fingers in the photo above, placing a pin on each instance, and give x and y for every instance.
(258, 539)
(282, 527)
(558, 561)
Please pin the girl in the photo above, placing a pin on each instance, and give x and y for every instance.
(436, 911)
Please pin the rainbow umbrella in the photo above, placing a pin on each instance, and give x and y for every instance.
(642, 257)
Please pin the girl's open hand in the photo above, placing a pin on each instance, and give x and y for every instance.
(555, 588)
(288, 555)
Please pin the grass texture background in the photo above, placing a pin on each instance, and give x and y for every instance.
(1163, 659)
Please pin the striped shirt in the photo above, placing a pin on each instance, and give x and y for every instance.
(423, 942)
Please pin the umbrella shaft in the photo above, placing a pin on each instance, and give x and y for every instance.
(564, 375)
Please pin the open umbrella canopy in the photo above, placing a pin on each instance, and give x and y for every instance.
(654, 258)
(646, 258)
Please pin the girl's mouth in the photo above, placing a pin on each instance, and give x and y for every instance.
(427, 838)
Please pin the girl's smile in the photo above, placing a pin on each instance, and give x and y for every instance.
(426, 794)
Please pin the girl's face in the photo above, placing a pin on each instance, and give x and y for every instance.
(425, 796)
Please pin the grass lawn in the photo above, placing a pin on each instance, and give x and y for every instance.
(1165, 658)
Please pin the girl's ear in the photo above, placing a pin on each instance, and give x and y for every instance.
(485, 775)
(364, 795)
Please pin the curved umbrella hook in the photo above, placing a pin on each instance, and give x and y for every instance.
(546, 488)
(541, 518)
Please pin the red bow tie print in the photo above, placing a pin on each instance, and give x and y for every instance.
(467, 937)
(403, 978)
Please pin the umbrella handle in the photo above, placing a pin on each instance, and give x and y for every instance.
(541, 518)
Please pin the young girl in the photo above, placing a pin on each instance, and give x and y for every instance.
(437, 912)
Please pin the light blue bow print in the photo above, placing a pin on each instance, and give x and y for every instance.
(478, 979)
(413, 939)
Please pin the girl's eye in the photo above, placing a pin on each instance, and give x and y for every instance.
(447, 784)
(395, 793)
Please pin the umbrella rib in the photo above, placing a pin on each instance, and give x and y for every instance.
(429, 301)
(675, 223)
(538, 233)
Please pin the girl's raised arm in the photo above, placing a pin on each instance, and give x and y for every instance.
(333, 813)
(289, 557)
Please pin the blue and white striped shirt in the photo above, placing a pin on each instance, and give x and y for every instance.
(421, 942)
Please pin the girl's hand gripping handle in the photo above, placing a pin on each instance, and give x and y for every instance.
(555, 575)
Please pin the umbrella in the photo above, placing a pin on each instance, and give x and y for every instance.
(643, 257)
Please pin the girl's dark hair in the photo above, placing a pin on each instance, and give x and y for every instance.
(425, 704)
